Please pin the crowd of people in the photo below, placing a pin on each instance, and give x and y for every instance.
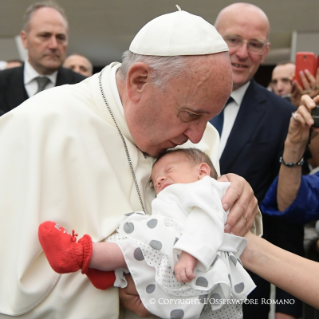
(92, 156)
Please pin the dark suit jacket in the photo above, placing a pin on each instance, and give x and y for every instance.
(12, 90)
(257, 138)
(253, 149)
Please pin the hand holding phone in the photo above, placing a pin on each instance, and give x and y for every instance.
(305, 61)
(315, 116)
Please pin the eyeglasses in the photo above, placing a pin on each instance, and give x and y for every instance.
(253, 46)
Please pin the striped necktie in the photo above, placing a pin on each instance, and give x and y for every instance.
(42, 83)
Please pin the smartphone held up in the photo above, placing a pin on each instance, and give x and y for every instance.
(308, 61)
(305, 61)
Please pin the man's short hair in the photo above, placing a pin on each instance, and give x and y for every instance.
(194, 155)
(38, 5)
(162, 68)
(284, 63)
(90, 63)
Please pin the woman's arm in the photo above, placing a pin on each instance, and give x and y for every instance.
(297, 138)
(294, 274)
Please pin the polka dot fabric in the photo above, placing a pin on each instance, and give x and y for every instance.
(152, 271)
(147, 243)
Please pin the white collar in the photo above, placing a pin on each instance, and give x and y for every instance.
(30, 74)
(238, 94)
(114, 88)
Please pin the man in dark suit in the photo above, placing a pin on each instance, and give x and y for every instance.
(253, 130)
(45, 36)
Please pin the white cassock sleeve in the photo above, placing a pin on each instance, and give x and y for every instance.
(58, 162)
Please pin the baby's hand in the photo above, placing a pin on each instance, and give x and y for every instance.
(184, 268)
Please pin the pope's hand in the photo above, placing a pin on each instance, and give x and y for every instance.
(242, 203)
(130, 299)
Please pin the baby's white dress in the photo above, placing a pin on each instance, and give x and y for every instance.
(185, 217)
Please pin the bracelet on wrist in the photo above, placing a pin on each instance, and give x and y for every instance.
(299, 163)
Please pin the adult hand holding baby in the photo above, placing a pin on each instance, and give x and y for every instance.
(242, 203)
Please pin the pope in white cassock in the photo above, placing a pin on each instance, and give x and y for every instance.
(82, 154)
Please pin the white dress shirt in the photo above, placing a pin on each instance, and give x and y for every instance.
(230, 114)
(30, 82)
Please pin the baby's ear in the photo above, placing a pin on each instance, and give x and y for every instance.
(204, 170)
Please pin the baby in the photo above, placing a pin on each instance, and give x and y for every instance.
(180, 252)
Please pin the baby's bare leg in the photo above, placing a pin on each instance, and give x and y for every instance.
(107, 256)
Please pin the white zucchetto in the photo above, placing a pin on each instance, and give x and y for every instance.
(178, 33)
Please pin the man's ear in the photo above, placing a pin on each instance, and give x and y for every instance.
(204, 170)
(137, 77)
(23, 36)
(266, 53)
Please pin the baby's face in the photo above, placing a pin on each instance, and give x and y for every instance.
(174, 168)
